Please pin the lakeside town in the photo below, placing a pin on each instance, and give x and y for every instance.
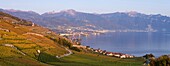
(74, 34)
(91, 29)
(77, 44)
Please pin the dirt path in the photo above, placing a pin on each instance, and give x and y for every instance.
(12, 46)
(70, 52)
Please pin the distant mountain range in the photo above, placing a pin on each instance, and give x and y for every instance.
(109, 21)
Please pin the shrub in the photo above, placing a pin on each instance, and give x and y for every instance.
(161, 61)
(75, 48)
(61, 41)
(44, 57)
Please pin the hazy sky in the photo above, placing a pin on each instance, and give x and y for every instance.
(90, 6)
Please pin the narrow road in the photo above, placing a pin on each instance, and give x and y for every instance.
(70, 52)
(12, 46)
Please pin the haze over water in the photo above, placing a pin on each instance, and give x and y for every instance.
(137, 44)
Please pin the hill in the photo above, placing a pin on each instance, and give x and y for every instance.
(20, 42)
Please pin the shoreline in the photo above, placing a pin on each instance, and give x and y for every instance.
(77, 44)
(139, 53)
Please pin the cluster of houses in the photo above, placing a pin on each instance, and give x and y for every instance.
(104, 52)
(111, 54)
(99, 51)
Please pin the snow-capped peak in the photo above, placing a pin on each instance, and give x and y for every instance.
(70, 11)
(13, 10)
(132, 13)
(52, 12)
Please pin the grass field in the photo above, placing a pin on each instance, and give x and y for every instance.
(88, 59)
(21, 61)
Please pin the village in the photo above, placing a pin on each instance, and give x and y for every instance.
(77, 44)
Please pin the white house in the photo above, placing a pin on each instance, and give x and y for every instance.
(123, 56)
(109, 54)
(117, 55)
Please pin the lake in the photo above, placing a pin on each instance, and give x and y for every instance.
(134, 43)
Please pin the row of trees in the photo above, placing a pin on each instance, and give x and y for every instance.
(163, 60)
(64, 42)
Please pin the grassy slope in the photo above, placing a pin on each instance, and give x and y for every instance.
(50, 46)
(88, 59)
(27, 43)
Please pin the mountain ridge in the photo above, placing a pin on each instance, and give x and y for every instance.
(110, 21)
(67, 10)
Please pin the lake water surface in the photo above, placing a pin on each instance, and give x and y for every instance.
(137, 44)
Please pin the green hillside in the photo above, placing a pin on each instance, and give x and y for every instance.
(23, 43)
(19, 42)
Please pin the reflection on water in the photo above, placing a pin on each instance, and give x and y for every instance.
(132, 43)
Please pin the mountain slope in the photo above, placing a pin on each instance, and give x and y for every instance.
(23, 43)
